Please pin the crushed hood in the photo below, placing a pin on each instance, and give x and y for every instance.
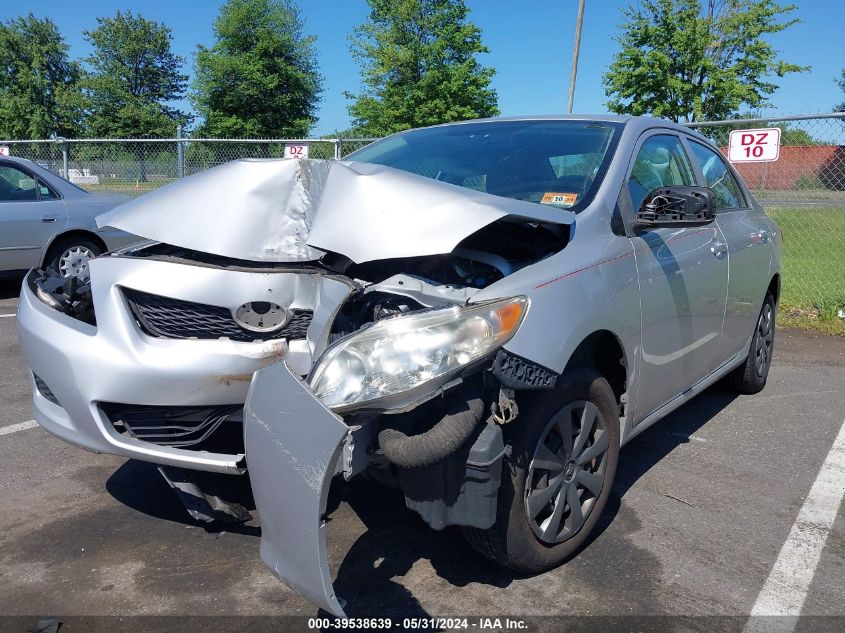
(287, 210)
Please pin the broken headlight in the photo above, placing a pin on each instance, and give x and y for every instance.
(64, 294)
(399, 354)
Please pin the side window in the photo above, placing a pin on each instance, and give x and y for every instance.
(45, 192)
(718, 177)
(16, 186)
(661, 162)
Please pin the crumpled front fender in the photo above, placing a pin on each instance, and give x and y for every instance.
(293, 445)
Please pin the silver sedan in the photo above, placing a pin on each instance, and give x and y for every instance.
(481, 314)
(47, 221)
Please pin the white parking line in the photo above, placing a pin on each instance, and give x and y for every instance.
(7, 316)
(789, 581)
(20, 426)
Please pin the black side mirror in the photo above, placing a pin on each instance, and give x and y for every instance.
(677, 205)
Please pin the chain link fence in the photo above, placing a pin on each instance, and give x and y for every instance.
(133, 166)
(804, 191)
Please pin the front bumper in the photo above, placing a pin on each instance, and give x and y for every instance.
(85, 366)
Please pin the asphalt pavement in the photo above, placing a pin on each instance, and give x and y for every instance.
(703, 504)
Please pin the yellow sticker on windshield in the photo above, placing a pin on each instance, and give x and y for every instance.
(559, 199)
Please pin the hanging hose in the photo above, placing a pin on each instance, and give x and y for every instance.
(444, 438)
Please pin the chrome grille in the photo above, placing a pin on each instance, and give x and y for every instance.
(165, 317)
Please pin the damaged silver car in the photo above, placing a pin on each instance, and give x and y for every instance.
(482, 313)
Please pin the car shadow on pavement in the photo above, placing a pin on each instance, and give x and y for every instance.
(139, 485)
(396, 539)
(371, 573)
(656, 442)
(368, 577)
(10, 285)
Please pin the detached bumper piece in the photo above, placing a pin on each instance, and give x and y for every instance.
(293, 446)
(200, 493)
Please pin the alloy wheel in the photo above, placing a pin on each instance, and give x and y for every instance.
(566, 472)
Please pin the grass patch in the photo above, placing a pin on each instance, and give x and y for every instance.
(800, 321)
(125, 187)
(813, 287)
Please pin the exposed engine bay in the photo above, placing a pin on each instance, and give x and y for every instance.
(490, 254)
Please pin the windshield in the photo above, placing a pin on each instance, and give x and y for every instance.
(558, 163)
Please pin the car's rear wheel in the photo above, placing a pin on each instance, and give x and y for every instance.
(751, 376)
(556, 481)
(70, 256)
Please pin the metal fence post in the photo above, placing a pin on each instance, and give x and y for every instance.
(180, 153)
(337, 148)
(64, 159)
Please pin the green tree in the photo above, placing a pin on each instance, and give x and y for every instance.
(841, 82)
(40, 95)
(419, 67)
(795, 136)
(689, 60)
(260, 78)
(134, 78)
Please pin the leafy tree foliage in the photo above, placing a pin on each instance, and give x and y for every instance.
(689, 61)
(40, 96)
(841, 82)
(790, 135)
(419, 67)
(260, 78)
(134, 78)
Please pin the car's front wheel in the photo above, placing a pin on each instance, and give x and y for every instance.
(556, 481)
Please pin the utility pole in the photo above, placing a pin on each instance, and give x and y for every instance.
(575, 51)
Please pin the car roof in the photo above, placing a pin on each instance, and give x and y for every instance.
(18, 159)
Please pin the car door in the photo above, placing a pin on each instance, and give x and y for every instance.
(683, 277)
(31, 212)
(748, 239)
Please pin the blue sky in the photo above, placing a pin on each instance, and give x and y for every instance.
(530, 46)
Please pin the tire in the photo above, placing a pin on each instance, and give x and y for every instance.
(750, 377)
(69, 256)
(515, 540)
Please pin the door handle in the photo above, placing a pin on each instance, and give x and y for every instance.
(47, 219)
(718, 249)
